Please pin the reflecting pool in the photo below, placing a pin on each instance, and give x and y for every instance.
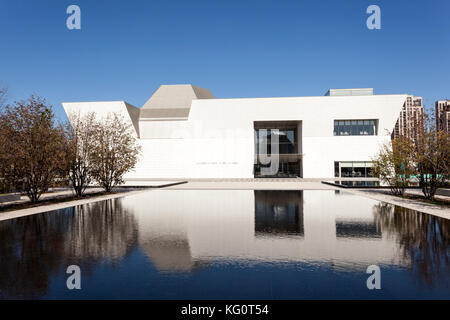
(227, 244)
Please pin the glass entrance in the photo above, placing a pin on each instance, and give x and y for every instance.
(280, 140)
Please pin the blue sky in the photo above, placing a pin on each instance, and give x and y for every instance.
(246, 48)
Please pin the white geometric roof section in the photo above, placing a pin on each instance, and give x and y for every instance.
(102, 108)
(172, 102)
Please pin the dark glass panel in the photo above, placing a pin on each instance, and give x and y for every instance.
(358, 171)
(346, 172)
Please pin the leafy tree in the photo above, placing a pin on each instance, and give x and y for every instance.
(114, 151)
(394, 164)
(432, 154)
(4, 163)
(427, 156)
(33, 147)
(80, 140)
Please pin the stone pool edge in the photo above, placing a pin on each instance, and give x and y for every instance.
(428, 208)
(7, 215)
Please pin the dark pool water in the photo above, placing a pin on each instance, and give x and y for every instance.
(227, 244)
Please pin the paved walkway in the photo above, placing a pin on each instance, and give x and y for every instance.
(254, 184)
(301, 184)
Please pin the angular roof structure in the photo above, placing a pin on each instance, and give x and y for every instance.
(172, 102)
(102, 108)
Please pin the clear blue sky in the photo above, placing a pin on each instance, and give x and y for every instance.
(245, 48)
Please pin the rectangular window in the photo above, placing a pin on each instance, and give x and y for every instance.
(355, 127)
(353, 169)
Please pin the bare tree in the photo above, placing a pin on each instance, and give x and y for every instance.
(114, 152)
(80, 136)
(33, 147)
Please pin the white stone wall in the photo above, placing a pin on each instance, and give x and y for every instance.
(217, 141)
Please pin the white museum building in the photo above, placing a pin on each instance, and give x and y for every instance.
(185, 132)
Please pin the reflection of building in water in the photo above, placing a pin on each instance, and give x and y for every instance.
(200, 226)
(168, 253)
(279, 212)
(196, 224)
(350, 222)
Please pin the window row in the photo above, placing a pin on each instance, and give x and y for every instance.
(355, 127)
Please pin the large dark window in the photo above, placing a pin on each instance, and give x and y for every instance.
(355, 127)
(278, 138)
(285, 139)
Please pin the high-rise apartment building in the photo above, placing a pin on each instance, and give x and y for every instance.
(410, 119)
(443, 115)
